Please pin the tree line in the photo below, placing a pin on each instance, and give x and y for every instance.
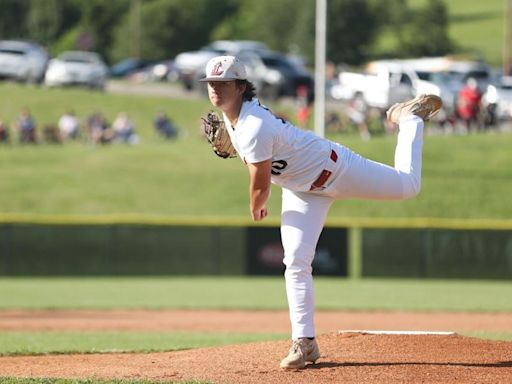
(160, 29)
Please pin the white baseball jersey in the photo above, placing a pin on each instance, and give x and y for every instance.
(298, 157)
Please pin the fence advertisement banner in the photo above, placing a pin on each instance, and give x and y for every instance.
(265, 252)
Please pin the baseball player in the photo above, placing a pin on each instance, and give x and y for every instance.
(313, 172)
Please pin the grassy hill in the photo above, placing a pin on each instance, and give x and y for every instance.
(476, 27)
(464, 176)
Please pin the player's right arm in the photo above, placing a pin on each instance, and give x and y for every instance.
(259, 188)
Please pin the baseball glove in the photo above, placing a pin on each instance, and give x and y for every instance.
(218, 136)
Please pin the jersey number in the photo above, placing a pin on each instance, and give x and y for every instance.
(278, 166)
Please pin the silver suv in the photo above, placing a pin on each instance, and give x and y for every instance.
(22, 60)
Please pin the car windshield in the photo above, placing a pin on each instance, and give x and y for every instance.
(462, 76)
(435, 77)
(12, 51)
(77, 59)
(277, 63)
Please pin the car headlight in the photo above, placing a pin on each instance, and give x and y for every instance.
(160, 70)
(57, 70)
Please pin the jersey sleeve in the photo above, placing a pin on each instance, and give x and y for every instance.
(258, 142)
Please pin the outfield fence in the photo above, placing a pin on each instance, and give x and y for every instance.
(134, 245)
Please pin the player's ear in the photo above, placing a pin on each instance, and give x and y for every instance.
(242, 86)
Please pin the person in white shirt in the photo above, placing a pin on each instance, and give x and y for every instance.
(313, 173)
(124, 129)
(69, 125)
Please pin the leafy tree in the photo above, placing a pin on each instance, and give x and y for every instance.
(289, 25)
(97, 23)
(352, 27)
(44, 19)
(392, 15)
(279, 24)
(168, 28)
(12, 18)
(429, 31)
(159, 29)
(419, 32)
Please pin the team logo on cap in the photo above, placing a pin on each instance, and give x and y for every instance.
(216, 70)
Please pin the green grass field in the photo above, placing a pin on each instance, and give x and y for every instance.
(224, 293)
(254, 293)
(60, 342)
(464, 176)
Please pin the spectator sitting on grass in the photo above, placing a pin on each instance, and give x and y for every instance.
(124, 129)
(26, 127)
(4, 132)
(164, 127)
(69, 125)
(98, 129)
(51, 134)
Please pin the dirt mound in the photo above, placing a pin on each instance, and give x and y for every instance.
(352, 358)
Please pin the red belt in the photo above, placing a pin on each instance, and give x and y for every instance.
(324, 176)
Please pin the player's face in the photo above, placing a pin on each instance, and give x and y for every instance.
(224, 94)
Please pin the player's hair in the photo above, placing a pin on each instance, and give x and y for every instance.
(250, 90)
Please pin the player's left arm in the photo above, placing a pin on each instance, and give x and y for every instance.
(259, 188)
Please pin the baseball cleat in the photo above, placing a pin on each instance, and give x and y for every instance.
(424, 106)
(302, 351)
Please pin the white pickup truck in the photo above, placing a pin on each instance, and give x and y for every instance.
(383, 83)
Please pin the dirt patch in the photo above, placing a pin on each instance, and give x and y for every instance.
(245, 321)
(349, 358)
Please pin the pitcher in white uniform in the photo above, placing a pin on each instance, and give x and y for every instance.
(313, 172)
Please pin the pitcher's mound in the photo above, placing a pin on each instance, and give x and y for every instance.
(346, 358)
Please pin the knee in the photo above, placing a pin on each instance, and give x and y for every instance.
(411, 189)
(298, 259)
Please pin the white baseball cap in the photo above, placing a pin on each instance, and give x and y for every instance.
(225, 68)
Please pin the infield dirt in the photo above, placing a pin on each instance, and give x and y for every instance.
(350, 358)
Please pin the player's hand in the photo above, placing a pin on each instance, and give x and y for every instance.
(259, 214)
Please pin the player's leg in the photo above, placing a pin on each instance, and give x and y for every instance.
(363, 178)
(303, 216)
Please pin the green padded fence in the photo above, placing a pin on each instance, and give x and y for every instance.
(35, 249)
(437, 253)
(125, 245)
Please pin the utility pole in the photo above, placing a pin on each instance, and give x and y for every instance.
(507, 41)
(320, 43)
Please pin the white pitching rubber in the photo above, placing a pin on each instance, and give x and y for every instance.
(370, 332)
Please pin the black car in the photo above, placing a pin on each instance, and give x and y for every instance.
(128, 66)
(285, 77)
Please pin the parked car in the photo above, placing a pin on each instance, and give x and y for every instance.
(461, 71)
(383, 83)
(190, 65)
(22, 60)
(162, 71)
(275, 75)
(128, 66)
(451, 75)
(77, 68)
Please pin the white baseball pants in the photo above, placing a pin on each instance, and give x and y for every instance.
(303, 213)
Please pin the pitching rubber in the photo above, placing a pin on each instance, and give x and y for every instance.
(377, 332)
